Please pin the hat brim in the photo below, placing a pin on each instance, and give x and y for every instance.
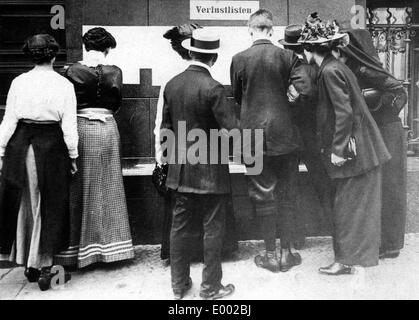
(324, 40)
(284, 43)
(187, 45)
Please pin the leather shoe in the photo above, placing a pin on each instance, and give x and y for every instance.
(269, 261)
(290, 260)
(336, 269)
(179, 294)
(223, 292)
(299, 245)
(32, 274)
(44, 281)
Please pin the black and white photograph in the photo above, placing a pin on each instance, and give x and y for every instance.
(189, 151)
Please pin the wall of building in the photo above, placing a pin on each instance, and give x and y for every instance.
(147, 60)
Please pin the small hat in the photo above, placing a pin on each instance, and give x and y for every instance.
(291, 35)
(202, 41)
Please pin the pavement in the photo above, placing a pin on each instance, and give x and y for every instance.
(146, 278)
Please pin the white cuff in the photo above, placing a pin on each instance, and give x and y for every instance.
(74, 154)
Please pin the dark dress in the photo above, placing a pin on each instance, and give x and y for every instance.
(343, 113)
(53, 170)
(385, 108)
(304, 115)
(394, 184)
(100, 229)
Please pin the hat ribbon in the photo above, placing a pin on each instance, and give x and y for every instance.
(205, 45)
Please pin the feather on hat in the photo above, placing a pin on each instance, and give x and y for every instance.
(315, 31)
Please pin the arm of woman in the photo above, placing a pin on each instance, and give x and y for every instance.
(302, 81)
(158, 122)
(338, 92)
(69, 122)
(10, 120)
(118, 84)
(393, 93)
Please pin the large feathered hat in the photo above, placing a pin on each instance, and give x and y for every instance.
(315, 31)
(178, 34)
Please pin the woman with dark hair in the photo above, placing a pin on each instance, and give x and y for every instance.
(386, 97)
(38, 151)
(353, 152)
(100, 230)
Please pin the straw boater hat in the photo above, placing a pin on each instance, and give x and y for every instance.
(291, 35)
(317, 32)
(202, 41)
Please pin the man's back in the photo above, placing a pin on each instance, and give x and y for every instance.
(260, 78)
(195, 99)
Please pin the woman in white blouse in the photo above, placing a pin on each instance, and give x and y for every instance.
(38, 149)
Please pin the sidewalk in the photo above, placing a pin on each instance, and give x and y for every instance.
(146, 278)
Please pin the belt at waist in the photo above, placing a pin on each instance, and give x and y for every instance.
(95, 114)
(95, 111)
(29, 121)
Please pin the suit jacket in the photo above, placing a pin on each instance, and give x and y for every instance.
(260, 77)
(342, 112)
(304, 111)
(196, 98)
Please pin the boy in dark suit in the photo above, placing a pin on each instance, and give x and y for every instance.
(193, 100)
(260, 77)
(304, 115)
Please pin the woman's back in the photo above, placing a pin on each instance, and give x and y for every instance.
(96, 87)
(40, 94)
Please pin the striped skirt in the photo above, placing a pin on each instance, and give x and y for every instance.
(100, 230)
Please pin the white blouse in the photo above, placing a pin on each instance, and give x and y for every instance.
(41, 95)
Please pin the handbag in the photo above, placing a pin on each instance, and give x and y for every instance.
(372, 98)
(159, 177)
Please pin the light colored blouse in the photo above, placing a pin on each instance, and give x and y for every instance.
(41, 95)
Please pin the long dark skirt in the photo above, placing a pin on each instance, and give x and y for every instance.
(393, 212)
(320, 180)
(357, 224)
(100, 230)
(52, 182)
(230, 243)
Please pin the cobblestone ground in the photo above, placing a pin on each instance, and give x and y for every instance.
(146, 278)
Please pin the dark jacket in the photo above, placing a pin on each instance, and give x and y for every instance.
(196, 98)
(392, 96)
(96, 87)
(260, 77)
(304, 111)
(342, 112)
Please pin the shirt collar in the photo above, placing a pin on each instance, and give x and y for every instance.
(93, 58)
(42, 68)
(262, 41)
(200, 64)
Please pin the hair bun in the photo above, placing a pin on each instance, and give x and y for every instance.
(41, 48)
(98, 39)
